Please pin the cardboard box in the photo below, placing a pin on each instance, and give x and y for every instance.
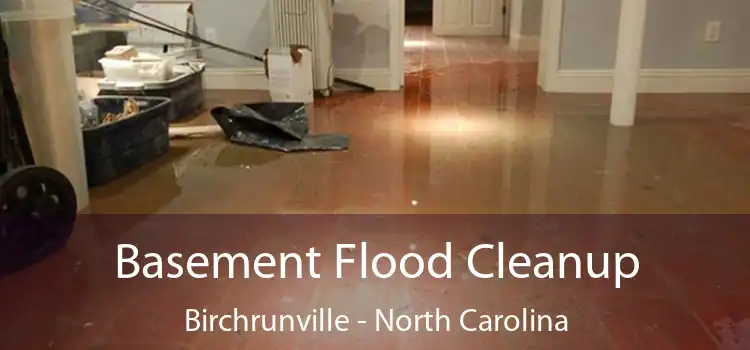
(122, 52)
(290, 75)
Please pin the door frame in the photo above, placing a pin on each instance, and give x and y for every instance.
(397, 22)
(549, 77)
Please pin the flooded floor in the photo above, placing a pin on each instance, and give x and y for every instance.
(469, 134)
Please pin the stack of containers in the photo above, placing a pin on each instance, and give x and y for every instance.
(179, 78)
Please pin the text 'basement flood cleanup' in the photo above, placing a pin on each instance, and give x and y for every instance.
(617, 266)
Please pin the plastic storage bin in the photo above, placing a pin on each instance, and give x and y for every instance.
(136, 72)
(185, 90)
(117, 148)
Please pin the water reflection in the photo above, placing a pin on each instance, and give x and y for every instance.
(615, 170)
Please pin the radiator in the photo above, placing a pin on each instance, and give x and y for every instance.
(309, 23)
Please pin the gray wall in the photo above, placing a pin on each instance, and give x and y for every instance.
(239, 24)
(360, 35)
(88, 48)
(531, 24)
(674, 34)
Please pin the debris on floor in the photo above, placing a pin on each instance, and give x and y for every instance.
(733, 335)
(130, 109)
(90, 116)
(280, 126)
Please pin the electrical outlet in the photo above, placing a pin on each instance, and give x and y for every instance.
(210, 34)
(713, 31)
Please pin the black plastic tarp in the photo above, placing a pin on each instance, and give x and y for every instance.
(280, 126)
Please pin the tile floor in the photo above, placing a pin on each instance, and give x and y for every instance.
(470, 133)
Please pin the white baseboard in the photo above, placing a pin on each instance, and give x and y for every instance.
(378, 78)
(653, 81)
(524, 42)
(255, 78)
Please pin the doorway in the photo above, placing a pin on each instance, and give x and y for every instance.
(418, 12)
(456, 18)
(442, 18)
(470, 17)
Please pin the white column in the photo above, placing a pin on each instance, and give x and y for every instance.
(40, 46)
(628, 62)
(516, 19)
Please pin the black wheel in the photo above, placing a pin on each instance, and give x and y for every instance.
(38, 208)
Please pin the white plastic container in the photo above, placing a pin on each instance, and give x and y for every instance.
(127, 71)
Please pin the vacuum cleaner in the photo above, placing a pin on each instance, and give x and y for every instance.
(38, 205)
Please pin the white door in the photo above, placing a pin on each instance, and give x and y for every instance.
(468, 17)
